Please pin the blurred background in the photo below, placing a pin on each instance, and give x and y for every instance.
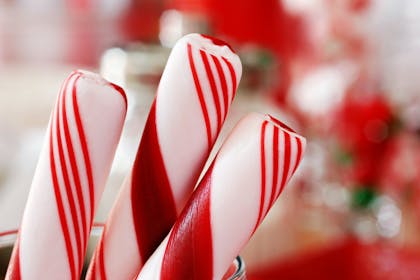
(341, 72)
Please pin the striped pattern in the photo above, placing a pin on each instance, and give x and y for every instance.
(275, 138)
(202, 243)
(67, 182)
(71, 171)
(190, 239)
(220, 80)
(157, 191)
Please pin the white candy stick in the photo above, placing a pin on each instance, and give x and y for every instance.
(81, 140)
(249, 173)
(193, 98)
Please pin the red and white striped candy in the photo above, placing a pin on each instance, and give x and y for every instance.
(193, 97)
(81, 140)
(248, 174)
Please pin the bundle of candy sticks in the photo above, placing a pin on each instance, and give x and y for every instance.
(159, 226)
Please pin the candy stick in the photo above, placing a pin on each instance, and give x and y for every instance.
(74, 163)
(249, 173)
(193, 98)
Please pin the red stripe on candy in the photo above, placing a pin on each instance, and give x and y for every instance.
(153, 205)
(60, 208)
(282, 125)
(121, 92)
(223, 82)
(299, 153)
(200, 95)
(263, 173)
(217, 41)
(286, 164)
(189, 252)
(275, 165)
(85, 151)
(232, 75)
(213, 88)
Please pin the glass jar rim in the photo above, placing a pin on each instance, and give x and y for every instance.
(240, 269)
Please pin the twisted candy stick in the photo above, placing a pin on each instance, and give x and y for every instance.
(74, 163)
(247, 176)
(193, 97)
